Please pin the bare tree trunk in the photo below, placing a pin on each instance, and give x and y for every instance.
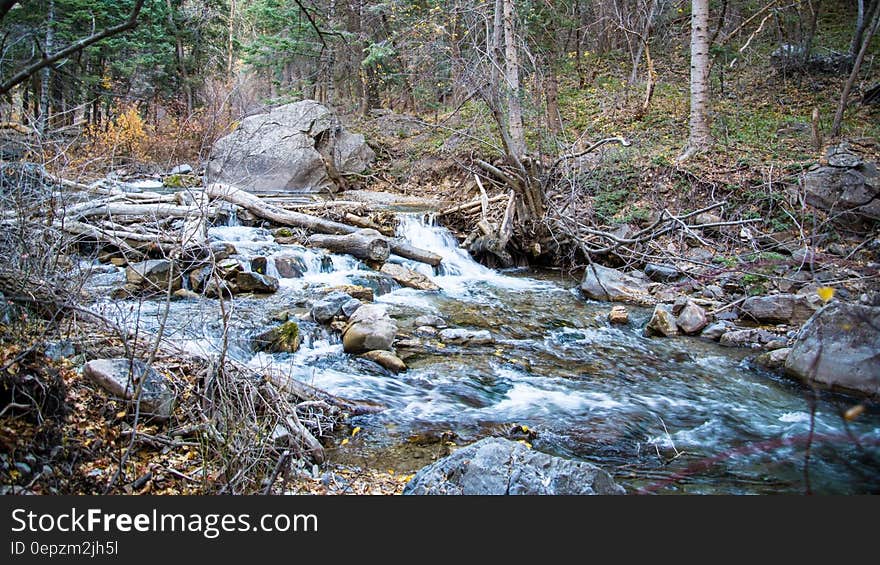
(857, 66)
(511, 75)
(859, 31)
(700, 138)
(230, 36)
(551, 94)
(180, 56)
(646, 34)
(46, 73)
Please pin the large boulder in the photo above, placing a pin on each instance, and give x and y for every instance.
(847, 183)
(778, 309)
(496, 466)
(296, 147)
(839, 348)
(604, 283)
(115, 376)
(369, 328)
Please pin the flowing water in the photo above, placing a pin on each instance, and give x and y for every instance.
(662, 415)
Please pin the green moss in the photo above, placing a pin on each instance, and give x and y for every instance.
(182, 181)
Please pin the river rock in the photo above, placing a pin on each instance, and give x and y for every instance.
(754, 338)
(604, 283)
(154, 275)
(430, 320)
(286, 148)
(716, 330)
(259, 264)
(462, 336)
(408, 277)
(777, 309)
(186, 294)
(662, 273)
(618, 315)
(839, 348)
(386, 359)
(182, 169)
(362, 293)
(496, 466)
(114, 376)
(692, 318)
(368, 329)
(847, 185)
(350, 307)
(662, 322)
(198, 278)
(330, 306)
(249, 281)
(289, 266)
(774, 359)
(280, 339)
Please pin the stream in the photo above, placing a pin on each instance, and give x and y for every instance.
(664, 415)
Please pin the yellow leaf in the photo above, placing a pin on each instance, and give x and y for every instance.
(525, 443)
(826, 293)
(344, 442)
(390, 471)
(524, 428)
(355, 431)
(441, 345)
(120, 414)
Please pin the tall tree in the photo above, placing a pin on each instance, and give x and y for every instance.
(700, 137)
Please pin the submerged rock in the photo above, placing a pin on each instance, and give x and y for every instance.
(462, 336)
(496, 466)
(618, 315)
(429, 320)
(386, 359)
(603, 283)
(839, 348)
(115, 376)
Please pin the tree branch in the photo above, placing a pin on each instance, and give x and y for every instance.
(47, 60)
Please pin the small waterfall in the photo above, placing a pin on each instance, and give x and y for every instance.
(421, 230)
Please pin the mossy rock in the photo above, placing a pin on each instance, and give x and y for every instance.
(280, 339)
(182, 181)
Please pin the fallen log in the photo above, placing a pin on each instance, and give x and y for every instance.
(367, 223)
(296, 219)
(366, 244)
(143, 210)
(472, 206)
